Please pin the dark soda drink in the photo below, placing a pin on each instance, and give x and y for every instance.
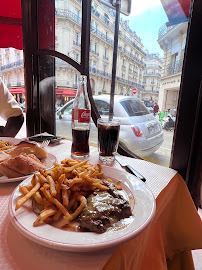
(80, 145)
(81, 115)
(108, 136)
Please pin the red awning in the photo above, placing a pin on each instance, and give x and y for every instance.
(17, 90)
(66, 92)
(11, 24)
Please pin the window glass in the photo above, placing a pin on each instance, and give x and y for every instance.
(102, 106)
(151, 46)
(68, 109)
(134, 107)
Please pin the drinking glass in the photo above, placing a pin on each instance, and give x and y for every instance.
(108, 138)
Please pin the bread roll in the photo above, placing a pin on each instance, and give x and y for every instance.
(3, 156)
(28, 148)
(20, 166)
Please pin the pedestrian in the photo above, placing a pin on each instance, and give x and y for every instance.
(155, 108)
(10, 111)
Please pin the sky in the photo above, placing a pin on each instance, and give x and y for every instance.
(146, 17)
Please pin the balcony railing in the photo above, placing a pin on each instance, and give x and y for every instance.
(68, 14)
(12, 65)
(123, 50)
(108, 76)
(132, 43)
(173, 68)
(152, 74)
(163, 30)
(100, 35)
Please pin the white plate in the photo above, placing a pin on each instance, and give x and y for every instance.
(47, 162)
(143, 207)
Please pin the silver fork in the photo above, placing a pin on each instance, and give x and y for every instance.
(45, 143)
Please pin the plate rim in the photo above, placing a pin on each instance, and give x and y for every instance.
(78, 247)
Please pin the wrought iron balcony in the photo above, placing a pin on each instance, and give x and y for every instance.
(174, 68)
(98, 72)
(163, 30)
(152, 74)
(65, 13)
(102, 36)
(12, 65)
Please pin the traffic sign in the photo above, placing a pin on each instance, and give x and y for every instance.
(134, 91)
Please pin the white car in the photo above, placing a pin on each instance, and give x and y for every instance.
(140, 131)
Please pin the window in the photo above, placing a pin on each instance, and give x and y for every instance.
(96, 27)
(102, 106)
(105, 54)
(96, 48)
(77, 15)
(77, 57)
(77, 37)
(134, 107)
(105, 69)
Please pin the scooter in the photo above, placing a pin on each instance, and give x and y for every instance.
(169, 123)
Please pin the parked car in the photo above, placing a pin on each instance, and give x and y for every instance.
(140, 131)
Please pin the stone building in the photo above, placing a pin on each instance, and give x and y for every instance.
(130, 59)
(151, 79)
(172, 41)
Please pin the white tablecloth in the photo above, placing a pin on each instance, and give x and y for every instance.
(19, 253)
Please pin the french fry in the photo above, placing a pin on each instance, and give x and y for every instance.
(22, 200)
(44, 215)
(52, 185)
(65, 197)
(56, 202)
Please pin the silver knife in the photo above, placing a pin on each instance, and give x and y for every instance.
(129, 168)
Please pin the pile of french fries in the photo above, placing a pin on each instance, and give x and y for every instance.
(60, 193)
(5, 145)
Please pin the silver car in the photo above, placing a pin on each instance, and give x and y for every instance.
(140, 131)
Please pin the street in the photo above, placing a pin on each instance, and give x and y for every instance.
(162, 155)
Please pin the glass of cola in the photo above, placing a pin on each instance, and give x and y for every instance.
(108, 138)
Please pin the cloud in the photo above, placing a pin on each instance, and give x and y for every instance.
(139, 6)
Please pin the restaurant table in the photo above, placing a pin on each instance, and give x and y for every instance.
(166, 243)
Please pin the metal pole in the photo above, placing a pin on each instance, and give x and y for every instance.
(116, 37)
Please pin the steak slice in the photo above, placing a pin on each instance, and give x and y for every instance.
(103, 209)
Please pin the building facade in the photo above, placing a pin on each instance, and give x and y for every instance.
(151, 79)
(130, 59)
(172, 41)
